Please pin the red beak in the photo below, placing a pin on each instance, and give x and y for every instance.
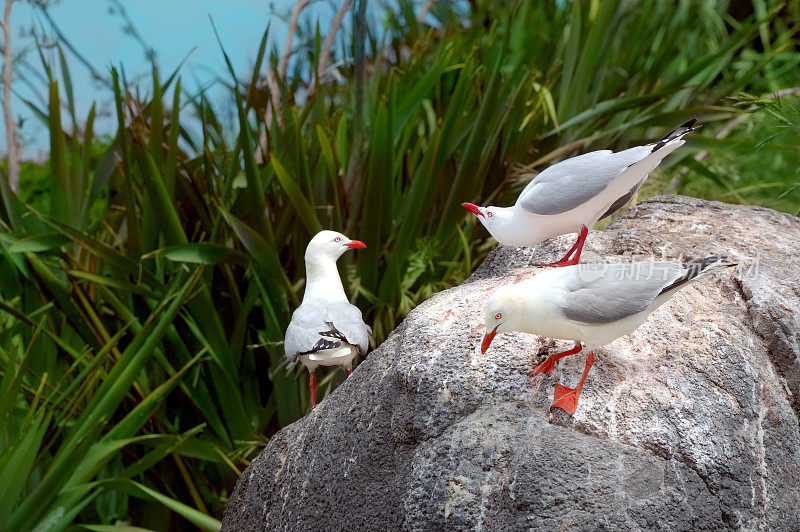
(487, 340)
(472, 208)
(356, 244)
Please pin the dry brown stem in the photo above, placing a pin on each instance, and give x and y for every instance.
(283, 66)
(11, 131)
(327, 46)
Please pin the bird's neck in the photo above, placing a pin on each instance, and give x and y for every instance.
(538, 311)
(514, 228)
(322, 280)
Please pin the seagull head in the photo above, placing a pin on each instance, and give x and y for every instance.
(502, 311)
(331, 245)
(494, 219)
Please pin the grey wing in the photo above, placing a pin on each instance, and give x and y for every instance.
(568, 184)
(346, 319)
(303, 333)
(616, 292)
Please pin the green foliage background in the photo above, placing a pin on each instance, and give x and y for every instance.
(146, 280)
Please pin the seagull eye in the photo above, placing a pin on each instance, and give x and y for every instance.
(498, 316)
(489, 214)
(337, 239)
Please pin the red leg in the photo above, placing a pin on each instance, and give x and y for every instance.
(312, 382)
(576, 248)
(567, 398)
(579, 246)
(347, 372)
(550, 363)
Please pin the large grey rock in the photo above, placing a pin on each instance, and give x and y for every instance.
(689, 423)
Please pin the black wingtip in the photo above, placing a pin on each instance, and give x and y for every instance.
(713, 260)
(676, 133)
(695, 267)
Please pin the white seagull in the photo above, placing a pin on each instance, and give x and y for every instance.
(572, 195)
(593, 304)
(326, 330)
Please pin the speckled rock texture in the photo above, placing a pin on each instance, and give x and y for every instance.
(690, 423)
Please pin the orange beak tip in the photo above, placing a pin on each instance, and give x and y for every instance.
(472, 208)
(487, 340)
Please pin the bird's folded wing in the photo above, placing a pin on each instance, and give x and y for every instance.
(303, 333)
(316, 325)
(622, 200)
(573, 182)
(615, 291)
(346, 319)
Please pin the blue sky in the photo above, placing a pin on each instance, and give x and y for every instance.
(171, 27)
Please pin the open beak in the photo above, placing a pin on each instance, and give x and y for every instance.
(472, 208)
(356, 244)
(487, 340)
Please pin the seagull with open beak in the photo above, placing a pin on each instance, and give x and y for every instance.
(592, 304)
(572, 195)
(326, 329)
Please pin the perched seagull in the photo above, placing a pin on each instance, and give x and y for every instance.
(571, 196)
(593, 304)
(326, 330)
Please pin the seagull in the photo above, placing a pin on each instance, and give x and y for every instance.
(572, 195)
(592, 304)
(326, 329)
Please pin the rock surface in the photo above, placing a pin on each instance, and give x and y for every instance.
(689, 423)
